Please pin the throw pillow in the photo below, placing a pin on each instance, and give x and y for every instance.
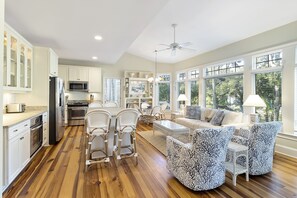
(209, 113)
(193, 112)
(217, 118)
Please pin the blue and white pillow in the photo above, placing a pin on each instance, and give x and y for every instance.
(217, 118)
(193, 112)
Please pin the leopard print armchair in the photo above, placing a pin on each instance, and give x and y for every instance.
(200, 165)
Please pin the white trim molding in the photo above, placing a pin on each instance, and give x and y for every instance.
(286, 144)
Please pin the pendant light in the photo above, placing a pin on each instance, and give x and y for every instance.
(155, 78)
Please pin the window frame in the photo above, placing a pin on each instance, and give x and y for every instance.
(256, 70)
(165, 82)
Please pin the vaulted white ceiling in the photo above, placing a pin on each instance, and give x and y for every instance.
(139, 26)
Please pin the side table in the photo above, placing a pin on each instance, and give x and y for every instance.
(234, 168)
(175, 115)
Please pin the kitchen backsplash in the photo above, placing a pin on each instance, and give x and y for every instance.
(82, 96)
(7, 99)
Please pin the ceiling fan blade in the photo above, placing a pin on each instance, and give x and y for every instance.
(186, 48)
(185, 44)
(165, 45)
(173, 52)
(163, 49)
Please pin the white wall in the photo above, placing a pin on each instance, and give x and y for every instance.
(1, 89)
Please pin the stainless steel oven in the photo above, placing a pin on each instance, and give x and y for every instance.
(36, 134)
(76, 112)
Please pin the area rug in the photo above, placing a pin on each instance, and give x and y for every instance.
(158, 140)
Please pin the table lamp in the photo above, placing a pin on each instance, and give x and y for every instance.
(182, 98)
(254, 101)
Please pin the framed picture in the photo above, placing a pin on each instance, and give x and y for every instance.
(138, 87)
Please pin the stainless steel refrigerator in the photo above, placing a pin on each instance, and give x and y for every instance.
(56, 110)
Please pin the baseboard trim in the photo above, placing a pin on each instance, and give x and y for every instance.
(286, 150)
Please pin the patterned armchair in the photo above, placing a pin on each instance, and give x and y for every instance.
(200, 165)
(260, 139)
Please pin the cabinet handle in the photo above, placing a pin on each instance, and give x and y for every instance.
(15, 130)
(26, 125)
(21, 138)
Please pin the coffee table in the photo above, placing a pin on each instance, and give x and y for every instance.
(170, 128)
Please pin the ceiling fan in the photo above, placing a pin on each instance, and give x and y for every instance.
(174, 46)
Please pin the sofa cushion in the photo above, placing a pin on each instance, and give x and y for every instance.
(232, 117)
(194, 124)
(186, 122)
(203, 124)
(193, 112)
(209, 113)
(217, 118)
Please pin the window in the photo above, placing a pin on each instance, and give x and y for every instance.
(225, 92)
(269, 60)
(226, 68)
(163, 90)
(181, 76)
(194, 87)
(112, 90)
(224, 86)
(268, 85)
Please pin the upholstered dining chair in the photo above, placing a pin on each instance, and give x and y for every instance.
(260, 140)
(97, 131)
(163, 109)
(126, 122)
(154, 114)
(200, 165)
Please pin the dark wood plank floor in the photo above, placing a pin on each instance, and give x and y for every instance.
(58, 171)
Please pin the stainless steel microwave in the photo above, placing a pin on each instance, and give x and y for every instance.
(78, 86)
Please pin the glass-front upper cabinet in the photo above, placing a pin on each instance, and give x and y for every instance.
(5, 71)
(17, 62)
(29, 68)
(13, 62)
(22, 66)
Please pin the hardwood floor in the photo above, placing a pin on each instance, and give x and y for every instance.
(58, 171)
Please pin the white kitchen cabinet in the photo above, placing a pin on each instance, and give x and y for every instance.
(78, 73)
(24, 144)
(17, 62)
(45, 128)
(18, 146)
(53, 63)
(63, 74)
(95, 80)
(13, 158)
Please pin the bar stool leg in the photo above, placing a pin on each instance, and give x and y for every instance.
(134, 147)
(247, 166)
(88, 153)
(118, 156)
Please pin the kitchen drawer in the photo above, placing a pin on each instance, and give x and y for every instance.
(17, 129)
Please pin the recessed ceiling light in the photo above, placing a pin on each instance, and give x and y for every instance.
(98, 37)
(94, 57)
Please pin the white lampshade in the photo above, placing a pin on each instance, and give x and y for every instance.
(144, 105)
(254, 101)
(182, 97)
(150, 79)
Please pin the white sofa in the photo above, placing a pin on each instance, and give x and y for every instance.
(231, 118)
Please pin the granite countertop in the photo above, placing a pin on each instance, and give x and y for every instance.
(10, 119)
